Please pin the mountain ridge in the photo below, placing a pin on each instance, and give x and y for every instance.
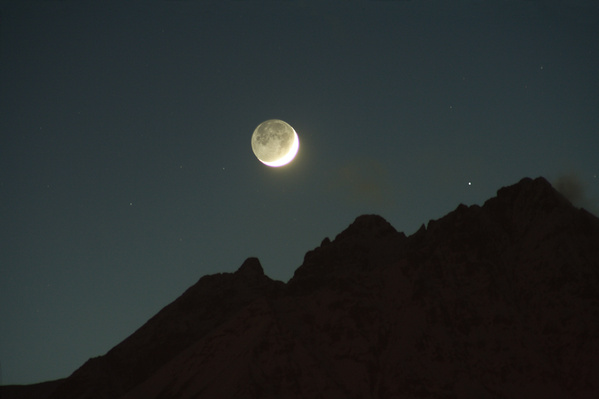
(498, 300)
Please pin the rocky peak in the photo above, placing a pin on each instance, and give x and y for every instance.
(367, 226)
(366, 243)
(526, 200)
(537, 190)
(520, 214)
(515, 207)
(532, 209)
(250, 267)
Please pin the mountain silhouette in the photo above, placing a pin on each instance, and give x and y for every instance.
(492, 301)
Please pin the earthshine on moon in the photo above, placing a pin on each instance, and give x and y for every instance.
(275, 143)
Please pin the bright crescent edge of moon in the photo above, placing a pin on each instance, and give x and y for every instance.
(284, 160)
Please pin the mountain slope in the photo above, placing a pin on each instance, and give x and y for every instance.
(492, 301)
(204, 306)
(497, 301)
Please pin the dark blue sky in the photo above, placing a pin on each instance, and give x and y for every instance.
(126, 171)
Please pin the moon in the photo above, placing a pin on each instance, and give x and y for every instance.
(275, 143)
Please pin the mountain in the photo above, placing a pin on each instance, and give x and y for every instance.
(493, 301)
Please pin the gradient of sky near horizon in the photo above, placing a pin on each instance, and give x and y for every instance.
(126, 171)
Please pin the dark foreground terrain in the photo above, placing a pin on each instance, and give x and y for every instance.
(498, 301)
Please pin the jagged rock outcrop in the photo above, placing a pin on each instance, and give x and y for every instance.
(493, 301)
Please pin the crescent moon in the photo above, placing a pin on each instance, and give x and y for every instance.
(287, 157)
(275, 143)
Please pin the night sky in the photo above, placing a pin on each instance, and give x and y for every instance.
(126, 170)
